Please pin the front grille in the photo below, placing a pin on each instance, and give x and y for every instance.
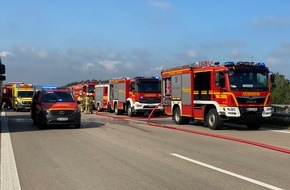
(150, 100)
(250, 100)
(62, 112)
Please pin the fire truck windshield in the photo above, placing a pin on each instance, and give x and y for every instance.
(25, 94)
(248, 80)
(91, 88)
(149, 86)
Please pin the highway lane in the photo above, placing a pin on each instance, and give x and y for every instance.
(118, 154)
(277, 136)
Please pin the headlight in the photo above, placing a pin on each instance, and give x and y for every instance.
(231, 109)
(77, 111)
(46, 111)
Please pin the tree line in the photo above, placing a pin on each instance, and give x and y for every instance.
(281, 90)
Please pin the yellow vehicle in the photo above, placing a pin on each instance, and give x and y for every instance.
(22, 96)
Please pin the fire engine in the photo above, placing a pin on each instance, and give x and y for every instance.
(102, 97)
(210, 92)
(22, 96)
(135, 95)
(7, 93)
(84, 89)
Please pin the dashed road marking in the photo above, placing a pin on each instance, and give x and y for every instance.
(281, 131)
(228, 172)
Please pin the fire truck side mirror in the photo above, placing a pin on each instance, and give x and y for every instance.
(2, 77)
(272, 78)
(132, 86)
(217, 79)
(2, 69)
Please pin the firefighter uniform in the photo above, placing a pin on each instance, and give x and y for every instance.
(81, 100)
(89, 104)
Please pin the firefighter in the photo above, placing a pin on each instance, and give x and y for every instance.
(91, 103)
(88, 104)
(81, 100)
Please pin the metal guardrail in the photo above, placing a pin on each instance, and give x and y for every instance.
(281, 110)
(280, 115)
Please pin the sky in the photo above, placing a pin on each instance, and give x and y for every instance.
(54, 42)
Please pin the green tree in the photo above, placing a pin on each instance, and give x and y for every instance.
(281, 91)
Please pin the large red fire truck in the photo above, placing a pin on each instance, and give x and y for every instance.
(210, 92)
(136, 95)
(84, 89)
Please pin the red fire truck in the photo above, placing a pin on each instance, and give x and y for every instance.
(102, 97)
(84, 89)
(213, 93)
(7, 94)
(135, 95)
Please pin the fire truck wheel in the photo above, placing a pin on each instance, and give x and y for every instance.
(98, 108)
(117, 112)
(213, 120)
(178, 118)
(109, 109)
(129, 111)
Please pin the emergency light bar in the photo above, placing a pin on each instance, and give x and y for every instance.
(261, 64)
(49, 87)
(25, 86)
(229, 63)
(245, 63)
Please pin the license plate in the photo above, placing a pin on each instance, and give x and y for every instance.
(252, 109)
(62, 119)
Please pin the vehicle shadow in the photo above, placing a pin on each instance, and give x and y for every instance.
(22, 122)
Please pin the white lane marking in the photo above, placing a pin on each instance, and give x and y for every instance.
(227, 172)
(280, 131)
(9, 175)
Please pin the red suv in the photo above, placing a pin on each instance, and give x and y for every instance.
(55, 106)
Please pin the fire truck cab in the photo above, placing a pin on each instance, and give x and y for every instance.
(84, 90)
(135, 95)
(210, 92)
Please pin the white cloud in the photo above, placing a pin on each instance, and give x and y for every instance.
(236, 53)
(161, 5)
(87, 67)
(274, 62)
(271, 22)
(110, 65)
(192, 53)
(5, 54)
(160, 68)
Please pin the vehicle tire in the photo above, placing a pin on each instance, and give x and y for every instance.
(40, 123)
(98, 108)
(213, 120)
(77, 126)
(254, 125)
(117, 112)
(34, 122)
(178, 119)
(130, 111)
(109, 109)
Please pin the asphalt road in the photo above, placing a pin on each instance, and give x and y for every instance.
(116, 153)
